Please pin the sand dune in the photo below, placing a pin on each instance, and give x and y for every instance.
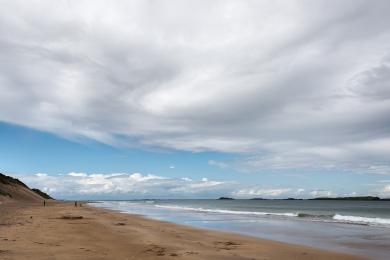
(12, 189)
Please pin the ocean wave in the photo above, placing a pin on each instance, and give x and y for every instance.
(362, 220)
(234, 212)
(359, 220)
(315, 216)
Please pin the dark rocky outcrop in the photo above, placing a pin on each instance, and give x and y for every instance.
(225, 198)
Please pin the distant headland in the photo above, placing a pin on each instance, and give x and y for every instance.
(356, 198)
(360, 198)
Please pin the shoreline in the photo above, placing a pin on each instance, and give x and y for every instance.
(271, 221)
(60, 230)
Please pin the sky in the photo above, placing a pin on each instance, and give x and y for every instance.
(196, 99)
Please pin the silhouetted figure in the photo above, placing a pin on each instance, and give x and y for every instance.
(44, 203)
(75, 203)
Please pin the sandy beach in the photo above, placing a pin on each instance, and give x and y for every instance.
(62, 231)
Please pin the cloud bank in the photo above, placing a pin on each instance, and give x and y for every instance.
(117, 186)
(124, 186)
(290, 84)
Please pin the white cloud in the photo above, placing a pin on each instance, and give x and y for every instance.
(322, 193)
(381, 189)
(266, 192)
(123, 186)
(291, 84)
(77, 174)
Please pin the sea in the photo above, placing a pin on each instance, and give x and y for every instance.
(357, 227)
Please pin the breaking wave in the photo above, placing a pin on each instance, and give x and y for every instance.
(335, 218)
(362, 220)
(224, 211)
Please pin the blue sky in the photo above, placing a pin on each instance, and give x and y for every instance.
(26, 153)
(128, 99)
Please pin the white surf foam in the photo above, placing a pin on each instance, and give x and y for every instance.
(234, 212)
(362, 220)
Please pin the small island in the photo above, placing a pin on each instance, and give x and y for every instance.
(225, 198)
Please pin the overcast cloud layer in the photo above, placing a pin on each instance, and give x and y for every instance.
(292, 84)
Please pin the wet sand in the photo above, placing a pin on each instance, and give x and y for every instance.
(62, 231)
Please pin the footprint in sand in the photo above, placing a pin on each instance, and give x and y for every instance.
(157, 250)
(191, 253)
(228, 245)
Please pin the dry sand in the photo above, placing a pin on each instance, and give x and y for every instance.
(57, 231)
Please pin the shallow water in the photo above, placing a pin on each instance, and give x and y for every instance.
(360, 227)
